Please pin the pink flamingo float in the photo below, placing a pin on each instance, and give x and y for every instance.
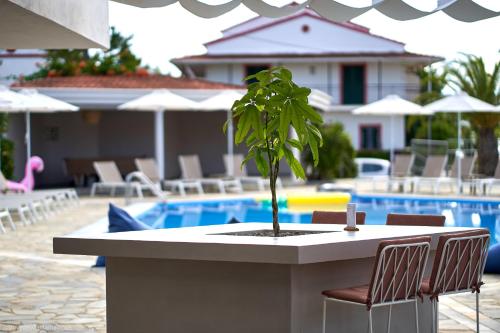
(35, 163)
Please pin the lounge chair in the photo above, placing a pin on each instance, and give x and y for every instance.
(415, 220)
(434, 168)
(401, 171)
(240, 173)
(110, 178)
(5, 215)
(467, 173)
(191, 170)
(324, 217)
(149, 168)
(486, 184)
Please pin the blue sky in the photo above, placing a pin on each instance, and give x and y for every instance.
(169, 32)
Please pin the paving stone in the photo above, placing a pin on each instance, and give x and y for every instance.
(43, 292)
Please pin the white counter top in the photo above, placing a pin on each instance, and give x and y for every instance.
(202, 243)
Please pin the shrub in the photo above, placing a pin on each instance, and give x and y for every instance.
(336, 155)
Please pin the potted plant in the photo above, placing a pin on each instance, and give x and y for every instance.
(272, 107)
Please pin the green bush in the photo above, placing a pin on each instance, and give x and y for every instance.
(7, 156)
(383, 154)
(336, 155)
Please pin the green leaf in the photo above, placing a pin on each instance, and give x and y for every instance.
(244, 125)
(298, 123)
(261, 164)
(294, 164)
(295, 143)
(309, 112)
(285, 119)
(313, 143)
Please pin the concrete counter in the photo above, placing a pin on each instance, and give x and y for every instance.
(196, 280)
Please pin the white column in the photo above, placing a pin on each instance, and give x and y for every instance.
(28, 137)
(160, 142)
(230, 143)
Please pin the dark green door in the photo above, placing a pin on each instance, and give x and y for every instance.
(353, 84)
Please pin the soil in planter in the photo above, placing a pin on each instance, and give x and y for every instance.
(270, 233)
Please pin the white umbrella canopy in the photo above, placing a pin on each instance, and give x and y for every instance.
(11, 101)
(40, 103)
(392, 105)
(223, 102)
(460, 103)
(160, 100)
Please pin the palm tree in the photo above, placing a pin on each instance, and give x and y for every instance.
(470, 75)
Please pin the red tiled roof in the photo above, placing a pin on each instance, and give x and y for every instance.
(123, 81)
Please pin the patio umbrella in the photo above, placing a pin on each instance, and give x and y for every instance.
(40, 103)
(390, 106)
(458, 104)
(223, 102)
(10, 102)
(159, 101)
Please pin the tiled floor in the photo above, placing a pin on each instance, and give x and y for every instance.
(43, 292)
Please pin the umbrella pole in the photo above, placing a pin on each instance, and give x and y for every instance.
(392, 140)
(458, 154)
(28, 137)
(160, 142)
(230, 143)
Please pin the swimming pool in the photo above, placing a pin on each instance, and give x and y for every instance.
(459, 213)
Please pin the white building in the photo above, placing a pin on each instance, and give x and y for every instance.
(344, 60)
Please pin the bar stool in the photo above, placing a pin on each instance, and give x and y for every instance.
(458, 267)
(396, 278)
(326, 217)
(420, 220)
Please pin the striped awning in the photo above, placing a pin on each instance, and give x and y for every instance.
(461, 10)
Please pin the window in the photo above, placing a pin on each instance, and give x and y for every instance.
(353, 84)
(254, 69)
(370, 137)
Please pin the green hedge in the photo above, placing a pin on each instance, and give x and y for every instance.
(7, 155)
(383, 154)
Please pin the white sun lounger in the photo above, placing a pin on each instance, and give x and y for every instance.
(191, 170)
(434, 169)
(5, 216)
(401, 171)
(487, 184)
(149, 168)
(111, 179)
(467, 169)
(240, 172)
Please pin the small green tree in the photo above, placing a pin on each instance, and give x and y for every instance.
(265, 116)
(337, 155)
(117, 60)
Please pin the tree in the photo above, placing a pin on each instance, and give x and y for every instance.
(337, 155)
(469, 74)
(272, 107)
(117, 60)
(443, 124)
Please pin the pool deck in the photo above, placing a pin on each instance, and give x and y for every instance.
(44, 292)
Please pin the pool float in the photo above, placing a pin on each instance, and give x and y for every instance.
(318, 201)
(35, 163)
(493, 260)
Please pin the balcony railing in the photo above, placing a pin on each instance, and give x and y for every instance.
(372, 92)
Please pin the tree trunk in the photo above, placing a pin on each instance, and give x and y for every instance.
(487, 149)
(272, 184)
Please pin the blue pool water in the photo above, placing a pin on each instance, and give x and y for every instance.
(459, 213)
